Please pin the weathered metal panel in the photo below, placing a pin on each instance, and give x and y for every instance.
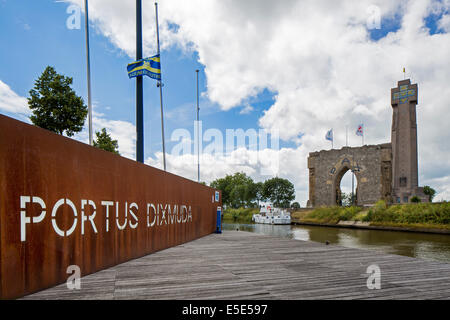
(39, 170)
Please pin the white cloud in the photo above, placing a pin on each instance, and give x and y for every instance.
(444, 23)
(247, 109)
(11, 101)
(122, 131)
(442, 185)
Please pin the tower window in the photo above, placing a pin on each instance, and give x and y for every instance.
(403, 181)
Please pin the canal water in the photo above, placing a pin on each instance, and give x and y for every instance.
(418, 245)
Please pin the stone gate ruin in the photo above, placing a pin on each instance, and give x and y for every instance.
(372, 166)
(386, 171)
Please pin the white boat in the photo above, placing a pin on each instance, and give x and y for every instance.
(270, 215)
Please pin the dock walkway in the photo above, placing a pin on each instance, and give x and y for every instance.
(244, 265)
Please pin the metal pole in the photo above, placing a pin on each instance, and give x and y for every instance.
(88, 64)
(139, 88)
(198, 133)
(160, 85)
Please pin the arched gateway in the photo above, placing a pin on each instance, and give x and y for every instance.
(370, 164)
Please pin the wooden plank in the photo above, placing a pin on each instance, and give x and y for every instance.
(243, 265)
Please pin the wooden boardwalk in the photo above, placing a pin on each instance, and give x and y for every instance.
(244, 265)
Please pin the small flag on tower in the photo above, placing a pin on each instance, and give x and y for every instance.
(359, 131)
(146, 67)
(329, 135)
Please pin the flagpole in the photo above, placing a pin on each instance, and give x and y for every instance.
(160, 85)
(346, 136)
(362, 136)
(198, 134)
(88, 64)
(139, 88)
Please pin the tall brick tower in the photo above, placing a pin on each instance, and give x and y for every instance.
(405, 182)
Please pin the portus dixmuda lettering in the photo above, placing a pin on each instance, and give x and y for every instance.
(86, 214)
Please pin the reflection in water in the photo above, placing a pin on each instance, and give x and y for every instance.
(418, 245)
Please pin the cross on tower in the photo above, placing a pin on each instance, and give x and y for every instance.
(405, 92)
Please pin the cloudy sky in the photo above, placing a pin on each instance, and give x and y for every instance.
(296, 67)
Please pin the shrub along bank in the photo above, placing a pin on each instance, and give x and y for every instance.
(420, 215)
(241, 215)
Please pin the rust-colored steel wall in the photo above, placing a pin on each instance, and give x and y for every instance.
(64, 203)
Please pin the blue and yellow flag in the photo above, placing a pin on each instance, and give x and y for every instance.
(146, 67)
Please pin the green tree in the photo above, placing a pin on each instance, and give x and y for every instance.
(105, 142)
(346, 199)
(259, 192)
(295, 205)
(430, 192)
(55, 105)
(279, 191)
(238, 196)
(251, 195)
(238, 190)
(415, 199)
(223, 184)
